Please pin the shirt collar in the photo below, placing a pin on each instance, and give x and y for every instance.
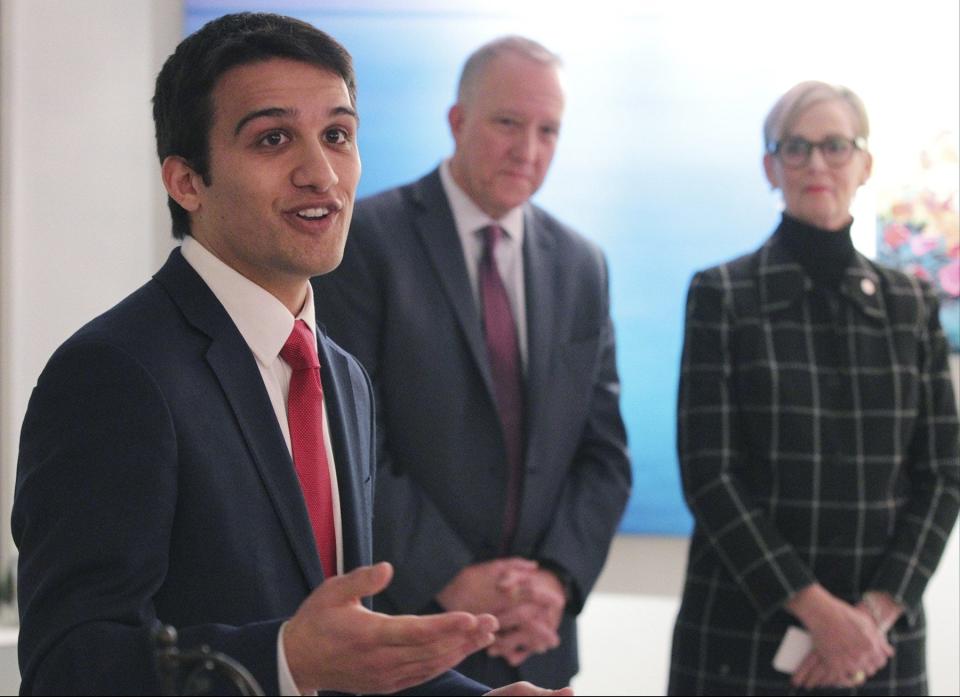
(782, 281)
(469, 217)
(264, 322)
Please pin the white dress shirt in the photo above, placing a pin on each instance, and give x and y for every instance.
(470, 221)
(265, 324)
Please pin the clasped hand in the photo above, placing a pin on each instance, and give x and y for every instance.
(527, 601)
(848, 645)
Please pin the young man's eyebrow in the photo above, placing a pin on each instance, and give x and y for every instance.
(345, 111)
(260, 113)
(281, 111)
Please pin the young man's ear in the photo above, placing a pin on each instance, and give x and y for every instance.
(182, 183)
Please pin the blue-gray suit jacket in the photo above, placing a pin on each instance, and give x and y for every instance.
(154, 483)
(401, 302)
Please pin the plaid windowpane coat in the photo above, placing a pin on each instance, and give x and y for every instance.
(818, 440)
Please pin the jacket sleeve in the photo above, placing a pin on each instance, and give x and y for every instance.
(712, 463)
(933, 468)
(598, 482)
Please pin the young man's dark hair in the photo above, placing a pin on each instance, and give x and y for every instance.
(182, 101)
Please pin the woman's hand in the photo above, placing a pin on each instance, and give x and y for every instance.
(848, 646)
(881, 606)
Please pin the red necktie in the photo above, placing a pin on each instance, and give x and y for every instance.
(305, 417)
(500, 332)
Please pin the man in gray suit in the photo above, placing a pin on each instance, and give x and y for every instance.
(484, 323)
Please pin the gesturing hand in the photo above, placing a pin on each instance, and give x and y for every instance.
(334, 643)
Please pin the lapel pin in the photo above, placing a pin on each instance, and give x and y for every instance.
(867, 286)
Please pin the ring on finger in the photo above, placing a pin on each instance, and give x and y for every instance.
(858, 678)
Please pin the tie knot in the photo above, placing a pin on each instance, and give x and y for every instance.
(299, 351)
(491, 235)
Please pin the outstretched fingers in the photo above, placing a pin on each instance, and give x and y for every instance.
(415, 649)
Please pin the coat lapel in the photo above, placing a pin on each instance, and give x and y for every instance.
(862, 286)
(781, 279)
(347, 439)
(540, 277)
(236, 369)
(438, 233)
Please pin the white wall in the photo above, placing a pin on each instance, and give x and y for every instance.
(83, 222)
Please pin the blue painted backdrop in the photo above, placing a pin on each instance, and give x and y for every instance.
(659, 157)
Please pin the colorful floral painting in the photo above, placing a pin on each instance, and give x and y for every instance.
(918, 228)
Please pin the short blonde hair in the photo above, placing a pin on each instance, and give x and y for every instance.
(799, 98)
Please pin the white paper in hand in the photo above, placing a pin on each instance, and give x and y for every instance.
(793, 649)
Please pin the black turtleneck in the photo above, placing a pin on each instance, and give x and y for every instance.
(823, 254)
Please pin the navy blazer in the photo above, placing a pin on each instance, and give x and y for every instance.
(154, 483)
(401, 302)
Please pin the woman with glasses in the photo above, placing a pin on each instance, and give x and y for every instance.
(818, 440)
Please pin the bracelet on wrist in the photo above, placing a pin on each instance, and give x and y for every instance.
(873, 607)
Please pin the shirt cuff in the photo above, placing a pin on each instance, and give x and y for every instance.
(288, 688)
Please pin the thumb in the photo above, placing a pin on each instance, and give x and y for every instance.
(359, 583)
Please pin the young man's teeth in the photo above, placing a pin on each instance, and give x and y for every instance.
(313, 213)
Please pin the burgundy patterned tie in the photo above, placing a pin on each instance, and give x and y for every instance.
(305, 417)
(500, 332)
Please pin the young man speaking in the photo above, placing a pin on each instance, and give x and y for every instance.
(200, 454)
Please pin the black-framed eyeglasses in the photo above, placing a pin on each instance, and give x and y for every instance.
(836, 150)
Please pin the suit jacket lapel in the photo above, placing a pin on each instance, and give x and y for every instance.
(345, 438)
(438, 232)
(539, 279)
(236, 369)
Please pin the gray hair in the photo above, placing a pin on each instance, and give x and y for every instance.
(478, 61)
(799, 98)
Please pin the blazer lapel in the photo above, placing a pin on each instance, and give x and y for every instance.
(539, 279)
(346, 439)
(781, 280)
(236, 369)
(438, 232)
